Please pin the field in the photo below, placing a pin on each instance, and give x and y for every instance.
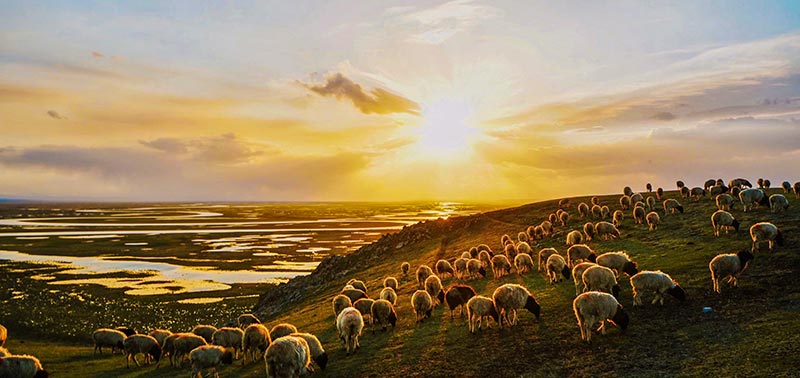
(752, 330)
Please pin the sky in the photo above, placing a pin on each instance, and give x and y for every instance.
(393, 101)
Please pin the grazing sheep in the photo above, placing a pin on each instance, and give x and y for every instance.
(588, 230)
(405, 267)
(501, 266)
(563, 218)
(637, 197)
(511, 297)
(627, 191)
(660, 194)
(458, 296)
(765, 231)
(680, 184)
(340, 302)
(651, 203)
(256, 339)
(725, 202)
(522, 237)
(358, 284)
(475, 268)
(593, 307)
(505, 239)
(524, 263)
(144, 344)
(485, 259)
(182, 344)
(127, 331)
(777, 202)
(649, 187)
(728, 265)
(580, 252)
(605, 212)
(461, 268)
(318, 354)
(709, 183)
(245, 320)
(229, 337)
(209, 357)
(595, 200)
(350, 323)
(583, 210)
(168, 347)
(424, 271)
(606, 230)
(473, 252)
(479, 307)
(670, 205)
(653, 220)
(797, 189)
(547, 226)
(638, 215)
(767, 184)
(577, 276)
(600, 278)
(538, 233)
(616, 219)
(685, 192)
(787, 187)
(544, 254)
(422, 303)
(433, 285)
(574, 237)
(723, 219)
(484, 247)
(523, 247)
(625, 202)
(696, 193)
(383, 313)
(619, 262)
(556, 264)
(288, 357)
(735, 191)
(597, 211)
(388, 294)
(160, 335)
(443, 267)
(283, 329)
(748, 197)
(466, 255)
(105, 337)
(563, 203)
(658, 282)
(718, 189)
(390, 282)
(510, 251)
(364, 306)
(22, 366)
(204, 331)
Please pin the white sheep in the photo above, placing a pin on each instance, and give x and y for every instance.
(505, 239)
(778, 202)
(358, 284)
(106, 337)
(659, 283)
(597, 211)
(229, 337)
(765, 231)
(501, 266)
(638, 215)
(485, 259)
(574, 237)
(160, 335)
(670, 205)
(422, 303)
(433, 285)
(204, 331)
(728, 265)
(22, 366)
(288, 357)
(617, 218)
(475, 268)
(545, 253)
(547, 226)
(606, 230)
(563, 218)
(595, 200)
(364, 306)
(577, 276)
(443, 267)
(600, 278)
(696, 193)
(390, 282)
(209, 357)
(383, 313)
(580, 252)
(511, 297)
(605, 212)
(524, 263)
(144, 344)
(318, 354)
(725, 201)
(340, 302)
(625, 202)
(388, 294)
(466, 255)
(593, 307)
(461, 268)
(723, 219)
(479, 307)
(283, 329)
(583, 210)
(181, 344)
(637, 197)
(749, 197)
(423, 272)
(653, 220)
(522, 237)
(619, 262)
(256, 339)
(510, 250)
(350, 323)
(523, 247)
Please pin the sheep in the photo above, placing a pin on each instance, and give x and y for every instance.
(605, 211)
(485, 259)
(204, 331)
(433, 285)
(718, 189)
(22, 366)
(545, 253)
(340, 302)
(479, 307)
(735, 191)
(653, 220)
(390, 282)
(127, 331)
(588, 230)
(547, 226)
(765, 231)
(600, 278)
(580, 252)
(649, 187)
(777, 202)
(555, 265)
(617, 218)
(523, 247)
(144, 344)
(423, 272)
(511, 297)
(595, 200)
(627, 191)
(466, 255)
(597, 211)
(349, 324)
(473, 252)
(358, 284)
(484, 247)
(574, 237)
(457, 296)
(748, 197)
(283, 329)
(461, 269)
(388, 294)
(522, 237)
(696, 193)
(500, 266)
(422, 303)
(725, 201)
(256, 339)
(658, 282)
(728, 265)
(524, 263)
(229, 337)
(443, 267)
(105, 337)
(685, 192)
(564, 219)
(593, 307)
(709, 183)
(405, 267)
(318, 354)
(383, 313)
(505, 239)
(583, 210)
(510, 251)
(651, 203)
(475, 268)
(364, 306)
(767, 184)
(160, 335)
(796, 188)
(3, 335)
(208, 357)
(288, 357)
(245, 320)
(606, 230)
(680, 184)
(538, 233)
(723, 219)
(660, 194)
(625, 202)
(619, 262)
(638, 215)
(670, 205)
(577, 276)
(182, 344)
(563, 203)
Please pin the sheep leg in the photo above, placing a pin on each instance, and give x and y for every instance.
(771, 244)
(637, 299)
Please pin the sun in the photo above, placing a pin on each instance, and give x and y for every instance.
(446, 130)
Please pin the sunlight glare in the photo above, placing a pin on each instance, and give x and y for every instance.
(446, 131)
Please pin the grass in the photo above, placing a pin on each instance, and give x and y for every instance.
(752, 330)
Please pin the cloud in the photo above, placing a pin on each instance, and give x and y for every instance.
(97, 54)
(377, 101)
(223, 149)
(168, 145)
(664, 116)
(54, 114)
(437, 24)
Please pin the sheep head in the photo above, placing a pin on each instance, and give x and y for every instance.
(592, 257)
(621, 318)
(227, 357)
(615, 291)
(482, 272)
(532, 306)
(735, 224)
(779, 238)
(630, 268)
(440, 296)
(566, 272)
(393, 318)
(155, 352)
(322, 360)
(41, 374)
(680, 208)
(677, 292)
(744, 257)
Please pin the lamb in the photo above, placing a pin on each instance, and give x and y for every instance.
(625, 202)
(583, 210)
(723, 219)
(653, 220)
(340, 302)
(245, 320)
(288, 357)
(458, 296)
(728, 265)
(390, 282)
(580, 252)
(577, 276)
(658, 282)
(105, 337)
(765, 231)
(405, 267)
(588, 229)
(22, 366)
(209, 357)
(696, 193)
(358, 284)
(423, 272)
(777, 202)
(597, 211)
(443, 267)
(510, 251)
(182, 344)
(638, 215)
(563, 218)
(606, 230)
(660, 194)
(422, 303)
(461, 268)
(479, 307)
(485, 259)
(318, 354)
(364, 306)
(511, 297)
(555, 265)
(283, 329)
(433, 285)
(256, 339)
(725, 201)
(617, 218)
(619, 262)
(229, 337)
(574, 237)
(383, 313)
(627, 191)
(475, 268)
(350, 323)
(787, 187)
(593, 307)
(501, 266)
(544, 254)
(144, 344)
(204, 331)
(670, 205)
(388, 294)
(600, 278)
(524, 263)
(160, 335)
(748, 197)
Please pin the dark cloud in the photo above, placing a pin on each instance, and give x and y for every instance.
(54, 114)
(223, 149)
(376, 101)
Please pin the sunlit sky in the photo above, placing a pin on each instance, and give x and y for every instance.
(383, 100)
